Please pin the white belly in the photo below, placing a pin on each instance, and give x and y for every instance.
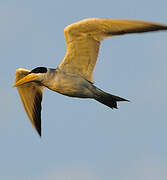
(70, 85)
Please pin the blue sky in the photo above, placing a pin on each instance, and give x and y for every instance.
(82, 139)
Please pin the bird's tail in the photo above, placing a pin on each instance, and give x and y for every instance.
(107, 99)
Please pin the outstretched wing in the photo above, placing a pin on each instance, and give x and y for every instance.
(83, 41)
(31, 97)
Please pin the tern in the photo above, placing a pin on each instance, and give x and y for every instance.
(73, 77)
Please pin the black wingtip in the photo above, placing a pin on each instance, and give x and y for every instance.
(37, 113)
(39, 133)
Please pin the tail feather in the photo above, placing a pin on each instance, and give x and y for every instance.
(108, 99)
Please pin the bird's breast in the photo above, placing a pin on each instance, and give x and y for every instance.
(70, 85)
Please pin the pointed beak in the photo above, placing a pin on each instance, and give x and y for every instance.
(26, 79)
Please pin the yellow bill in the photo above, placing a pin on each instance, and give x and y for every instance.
(26, 79)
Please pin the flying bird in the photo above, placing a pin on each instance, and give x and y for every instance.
(73, 77)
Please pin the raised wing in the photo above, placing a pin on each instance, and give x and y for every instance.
(83, 41)
(31, 97)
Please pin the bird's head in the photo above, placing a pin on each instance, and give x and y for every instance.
(35, 75)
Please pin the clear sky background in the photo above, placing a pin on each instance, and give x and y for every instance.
(83, 139)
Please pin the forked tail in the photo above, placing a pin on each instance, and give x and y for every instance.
(107, 99)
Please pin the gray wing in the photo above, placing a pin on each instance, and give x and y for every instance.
(31, 97)
(83, 41)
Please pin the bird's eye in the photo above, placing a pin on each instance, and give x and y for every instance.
(39, 70)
